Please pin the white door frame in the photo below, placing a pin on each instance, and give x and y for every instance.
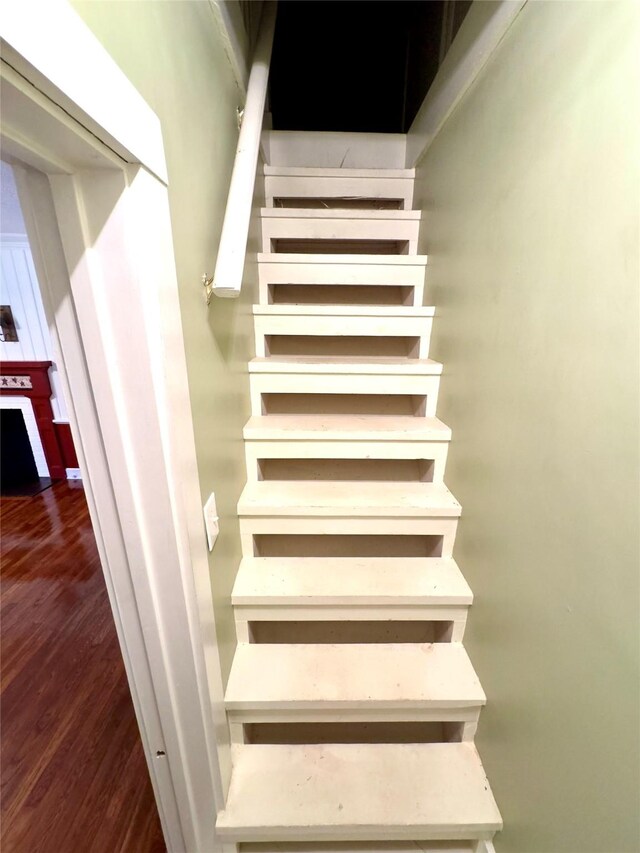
(95, 202)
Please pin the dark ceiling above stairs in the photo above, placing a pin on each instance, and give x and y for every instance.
(354, 65)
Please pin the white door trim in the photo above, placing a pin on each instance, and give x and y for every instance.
(67, 63)
(101, 238)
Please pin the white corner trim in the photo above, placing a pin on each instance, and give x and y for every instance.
(480, 33)
(55, 56)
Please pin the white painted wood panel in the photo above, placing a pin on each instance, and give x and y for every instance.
(391, 217)
(308, 173)
(315, 449)
(337, 525)
(311, 226)
(345, 366)
(353, 185)
(19, 288)
(340, 428)
(306, 321)
(334, 150)
(416, 385)
(345, 270)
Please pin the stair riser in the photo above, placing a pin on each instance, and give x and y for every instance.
(408, 279)
(458, 729)
(319, 326)
(338, 187)
(444, 528)
(460, 724)
(330, 230)
(354, 384)
(354, 613)
(365, 714)
(366, 847)
(377, 846)
(454, 617)
(383, 274)
(323, 835)
(435, 451)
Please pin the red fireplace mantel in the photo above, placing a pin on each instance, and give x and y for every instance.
(31, 379)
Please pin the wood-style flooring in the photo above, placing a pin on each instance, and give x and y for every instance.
(74, 777)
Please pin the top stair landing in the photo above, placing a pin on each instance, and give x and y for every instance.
(334, 150)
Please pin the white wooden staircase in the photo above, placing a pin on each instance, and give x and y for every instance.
(352, 702)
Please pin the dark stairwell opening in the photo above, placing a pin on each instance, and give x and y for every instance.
(357, 65)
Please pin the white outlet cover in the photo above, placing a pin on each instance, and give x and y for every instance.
(211, 520)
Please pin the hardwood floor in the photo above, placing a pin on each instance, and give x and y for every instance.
(74, 777)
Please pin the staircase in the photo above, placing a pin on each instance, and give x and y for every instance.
(352, 702)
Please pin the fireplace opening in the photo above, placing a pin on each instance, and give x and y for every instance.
(18, 471)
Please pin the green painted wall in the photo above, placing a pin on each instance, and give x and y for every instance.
(174, 55)
(531, 192)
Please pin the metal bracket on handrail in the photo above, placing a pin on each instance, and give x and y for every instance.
(207, 283)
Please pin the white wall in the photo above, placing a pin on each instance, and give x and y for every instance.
(531, 193)
(19, 288)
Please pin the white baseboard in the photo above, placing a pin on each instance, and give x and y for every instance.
(74, 474)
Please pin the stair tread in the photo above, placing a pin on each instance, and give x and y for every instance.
(345, 364)
(317, 172)
(312, 258)
(333, 676)
(326, 497)
(352, 214)
(318, 581)
(344, 310)
(346, 427)
(358, 791)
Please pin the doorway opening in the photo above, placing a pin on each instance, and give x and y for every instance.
(74, 767)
